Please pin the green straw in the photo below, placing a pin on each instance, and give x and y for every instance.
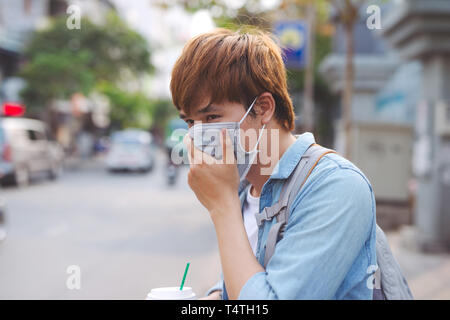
(184, 277)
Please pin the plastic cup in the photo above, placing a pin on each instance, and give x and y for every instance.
(171, 293)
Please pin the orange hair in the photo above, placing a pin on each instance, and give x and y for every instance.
(234, 67)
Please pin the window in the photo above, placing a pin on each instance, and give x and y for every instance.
(34, 135)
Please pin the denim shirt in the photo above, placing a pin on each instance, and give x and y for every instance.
(328, 248)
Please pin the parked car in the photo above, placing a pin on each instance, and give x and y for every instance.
(26, 149)
(131, 149)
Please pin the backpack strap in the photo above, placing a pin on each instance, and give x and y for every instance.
(292, 186)
(389, 277)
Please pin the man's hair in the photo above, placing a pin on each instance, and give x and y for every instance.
(234, 67)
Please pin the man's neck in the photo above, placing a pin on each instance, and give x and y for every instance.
(256, 176)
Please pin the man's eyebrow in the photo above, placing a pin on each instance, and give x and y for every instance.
(210, 107)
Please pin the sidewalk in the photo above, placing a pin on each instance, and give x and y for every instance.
(428, 274)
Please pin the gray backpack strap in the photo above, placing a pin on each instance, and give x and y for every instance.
(390, 284)
(315, 154)
(281, 209)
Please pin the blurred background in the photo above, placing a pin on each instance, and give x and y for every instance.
(87, 127)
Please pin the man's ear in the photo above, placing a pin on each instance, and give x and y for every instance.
(265, 107)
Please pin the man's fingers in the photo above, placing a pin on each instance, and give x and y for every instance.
(190, 148)
(227, 147)
(196, 156)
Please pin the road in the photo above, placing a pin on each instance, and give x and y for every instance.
(127, 233)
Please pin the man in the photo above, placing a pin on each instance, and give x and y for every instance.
(226, 79)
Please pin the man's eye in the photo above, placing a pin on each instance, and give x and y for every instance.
(212, 117)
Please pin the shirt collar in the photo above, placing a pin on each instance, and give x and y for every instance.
(292, 156)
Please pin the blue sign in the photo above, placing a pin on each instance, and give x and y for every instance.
(293, 37)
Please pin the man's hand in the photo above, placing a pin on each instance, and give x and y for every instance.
(215, 295)
(214, 182)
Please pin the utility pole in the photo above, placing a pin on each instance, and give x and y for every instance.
(308, 106)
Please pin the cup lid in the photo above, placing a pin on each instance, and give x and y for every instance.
(171, 293)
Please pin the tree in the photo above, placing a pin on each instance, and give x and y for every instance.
(348, 14)
(61, 62)
(128, 109)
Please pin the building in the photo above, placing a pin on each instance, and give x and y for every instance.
(382, 117)
(18, 19)
(419, 30)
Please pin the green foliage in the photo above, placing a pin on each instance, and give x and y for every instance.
(322, 49)
(128, 109)
(61, 62)
(134, 109)
(71, 77)
(163, 111)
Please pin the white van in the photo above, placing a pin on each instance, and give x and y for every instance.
(132, 150)
(26, 149)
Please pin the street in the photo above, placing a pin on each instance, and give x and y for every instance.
(128, 233)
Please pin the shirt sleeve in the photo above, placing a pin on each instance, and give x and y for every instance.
(328, 226)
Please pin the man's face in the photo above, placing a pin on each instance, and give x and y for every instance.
(250, 127)
(225, 112)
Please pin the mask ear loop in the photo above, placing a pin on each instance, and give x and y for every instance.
(259, 138)
(253, 154)
(250, 108)
(262, 129)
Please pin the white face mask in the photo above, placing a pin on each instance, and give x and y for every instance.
(206, 137)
